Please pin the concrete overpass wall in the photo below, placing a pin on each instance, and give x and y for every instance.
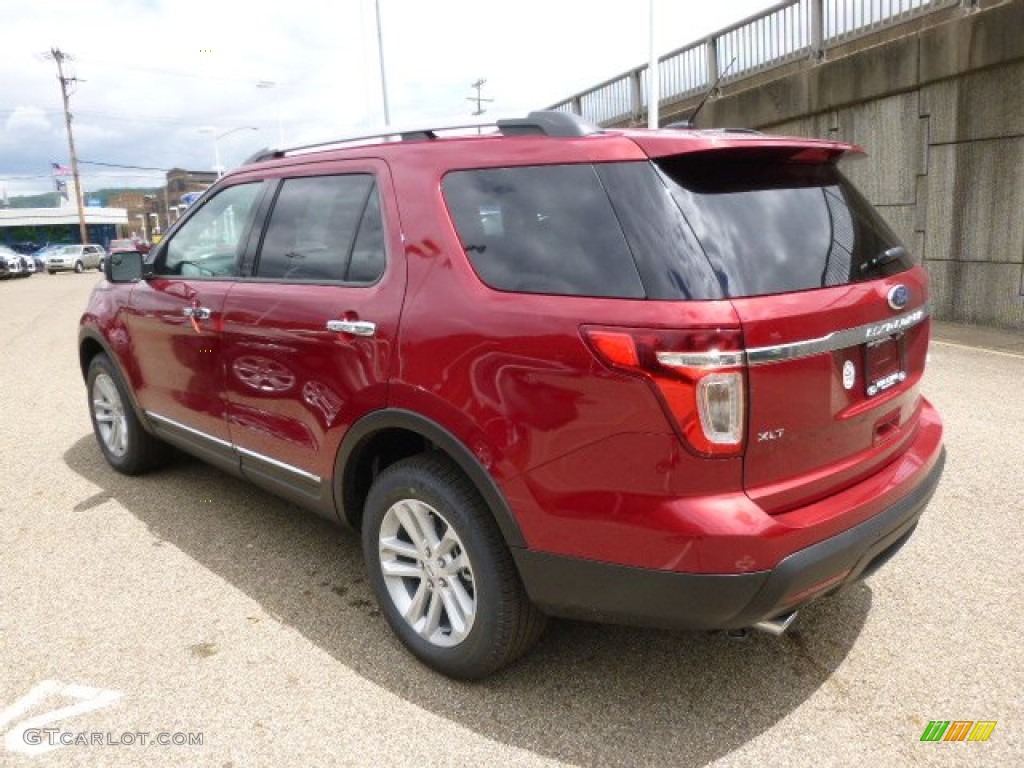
(941, 113)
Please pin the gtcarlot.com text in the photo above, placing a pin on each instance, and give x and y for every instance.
(55, 737)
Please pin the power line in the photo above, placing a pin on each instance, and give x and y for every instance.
(120, 65)
(117, 165)
(131, 118)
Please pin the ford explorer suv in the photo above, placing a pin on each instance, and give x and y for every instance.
(667, 378)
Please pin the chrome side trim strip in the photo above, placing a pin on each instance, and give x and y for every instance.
(190, 430)
(850, 337)
(279, 464)
(235, 448)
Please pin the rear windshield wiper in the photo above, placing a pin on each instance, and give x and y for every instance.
(885, 257)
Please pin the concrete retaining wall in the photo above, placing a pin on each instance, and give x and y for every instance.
(941, 114)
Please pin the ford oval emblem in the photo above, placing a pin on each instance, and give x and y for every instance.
(899, 296)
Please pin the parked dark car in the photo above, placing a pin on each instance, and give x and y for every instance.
(129, 244)
(24, 248)
(669, 378)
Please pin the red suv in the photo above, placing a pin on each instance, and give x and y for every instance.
(669, 377)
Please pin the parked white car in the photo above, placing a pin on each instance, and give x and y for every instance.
(10, 263)
(76, 257)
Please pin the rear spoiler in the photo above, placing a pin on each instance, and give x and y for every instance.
(665, 143)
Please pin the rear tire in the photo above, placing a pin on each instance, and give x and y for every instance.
(79, 267)
(127, 447)
(441, 572)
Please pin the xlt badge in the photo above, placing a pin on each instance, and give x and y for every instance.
(771, 434)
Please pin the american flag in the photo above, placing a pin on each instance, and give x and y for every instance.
(60, 170)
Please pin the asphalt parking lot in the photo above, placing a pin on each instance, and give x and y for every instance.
(189, 604)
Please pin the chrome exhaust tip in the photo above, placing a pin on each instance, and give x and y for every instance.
(776, 626)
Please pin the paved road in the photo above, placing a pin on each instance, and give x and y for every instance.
(187, 602)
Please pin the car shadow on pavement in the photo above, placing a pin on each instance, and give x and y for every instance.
(588, 694)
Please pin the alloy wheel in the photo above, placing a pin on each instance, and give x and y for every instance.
(108, 411)
(427, 572)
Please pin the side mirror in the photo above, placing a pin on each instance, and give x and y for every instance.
(123, 267)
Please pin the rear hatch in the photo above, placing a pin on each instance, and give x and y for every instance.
(833, 312)
(780, 323)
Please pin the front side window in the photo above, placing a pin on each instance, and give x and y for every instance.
(208, 244)
(324, 229)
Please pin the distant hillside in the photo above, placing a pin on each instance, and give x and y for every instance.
(45, 200)
(48, 199)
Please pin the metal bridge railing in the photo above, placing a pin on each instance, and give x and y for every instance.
(786, 32)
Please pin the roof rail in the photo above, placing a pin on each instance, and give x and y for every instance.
(540, 123)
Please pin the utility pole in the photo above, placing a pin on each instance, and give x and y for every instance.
(58, 56)
(480, 100)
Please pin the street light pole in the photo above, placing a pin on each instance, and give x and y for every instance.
(653, 76)
(217, 167)
(216, 143)
(380, 56)
(267, 84)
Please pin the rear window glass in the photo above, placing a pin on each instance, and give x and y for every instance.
(542, 229)
(769, 226)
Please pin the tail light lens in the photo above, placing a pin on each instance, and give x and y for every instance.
(720, 405)
(699, 377)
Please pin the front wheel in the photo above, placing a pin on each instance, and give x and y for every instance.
(441, 571)
(79, 267)
(127, 447)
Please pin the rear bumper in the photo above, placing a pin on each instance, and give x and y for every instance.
(585, 589)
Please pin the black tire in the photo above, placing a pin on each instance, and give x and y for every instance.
(142, 451)
(51, 271)
(79, 267)
(505, 624)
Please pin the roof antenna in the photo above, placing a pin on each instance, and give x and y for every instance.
(689, 121)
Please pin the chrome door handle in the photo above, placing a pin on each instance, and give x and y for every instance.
(199, 313)
(355, 327)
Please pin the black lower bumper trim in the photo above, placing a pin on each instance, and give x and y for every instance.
(595, 591)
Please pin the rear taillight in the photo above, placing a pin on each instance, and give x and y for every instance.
(699, 376)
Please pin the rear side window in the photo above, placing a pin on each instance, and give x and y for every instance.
(542, 229)
(324, 228)
(769, 226)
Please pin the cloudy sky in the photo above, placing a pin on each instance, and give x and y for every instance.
(153, 75)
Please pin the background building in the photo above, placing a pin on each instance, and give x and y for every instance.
(60, 224)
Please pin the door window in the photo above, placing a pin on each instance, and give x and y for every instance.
(324, 229)
(207, 245)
